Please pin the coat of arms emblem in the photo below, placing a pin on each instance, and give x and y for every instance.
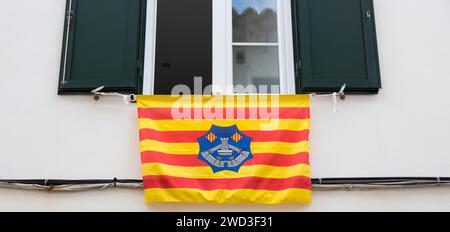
(225, 148)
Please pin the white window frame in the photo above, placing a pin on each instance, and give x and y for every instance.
(223, 47)
(150, 45)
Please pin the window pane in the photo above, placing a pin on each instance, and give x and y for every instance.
(255, 21)
(256, 66)
(183, 44)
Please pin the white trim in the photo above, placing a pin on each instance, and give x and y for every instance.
(281, 51)
(288, 48)
(150, 44)
(240, 44)
(222, 49)
(229, 46)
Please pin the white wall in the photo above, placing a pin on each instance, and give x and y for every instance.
(403, 131)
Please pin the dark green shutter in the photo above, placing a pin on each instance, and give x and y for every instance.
(335, 44)
(103, 46)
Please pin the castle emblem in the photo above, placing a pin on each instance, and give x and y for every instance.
(225, 148)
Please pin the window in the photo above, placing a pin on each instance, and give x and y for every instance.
(299, 46)
(253, 46)
(227, 43)
(183, 48)
(103, 46)
(335, 44)
(255, 43)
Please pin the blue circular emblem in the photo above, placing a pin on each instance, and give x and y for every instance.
(225, 148)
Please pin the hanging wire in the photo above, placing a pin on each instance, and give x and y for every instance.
(131, 98)
(127, 98)
(318, 184)
(334, 96)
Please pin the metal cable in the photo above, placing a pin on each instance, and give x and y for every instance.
(322, 184)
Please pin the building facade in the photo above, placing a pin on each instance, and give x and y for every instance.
(398, 130)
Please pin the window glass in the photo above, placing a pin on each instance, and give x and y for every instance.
(255, 45)
(256, 66)
(255, 21)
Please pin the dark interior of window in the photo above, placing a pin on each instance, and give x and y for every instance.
(183, 44)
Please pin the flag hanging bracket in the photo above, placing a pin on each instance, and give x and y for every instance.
(127, 98)
(334, 95)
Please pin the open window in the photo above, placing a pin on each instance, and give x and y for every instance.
(263, 46)
(227, 43)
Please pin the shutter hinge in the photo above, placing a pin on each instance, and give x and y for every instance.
(298, 68)
(69, 14)
(369, 14)
(140, 68)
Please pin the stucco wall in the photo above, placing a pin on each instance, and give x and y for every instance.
(403, 131)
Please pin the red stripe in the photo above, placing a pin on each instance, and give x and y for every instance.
(193, 161)
(192, 136)
(229, 184)
(250, 113)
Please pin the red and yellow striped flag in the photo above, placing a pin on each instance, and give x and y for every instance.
(225, 149)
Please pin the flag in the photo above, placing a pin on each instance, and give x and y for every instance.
(225, 149)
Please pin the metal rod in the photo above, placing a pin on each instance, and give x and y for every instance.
(66, 47)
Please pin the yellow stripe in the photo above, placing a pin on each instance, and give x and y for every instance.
(205, 172)
(194, 148)
(228, 196)
(205, 125)
(167, 101)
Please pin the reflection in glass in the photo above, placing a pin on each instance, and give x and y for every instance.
(256, 66)
(255, 21)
